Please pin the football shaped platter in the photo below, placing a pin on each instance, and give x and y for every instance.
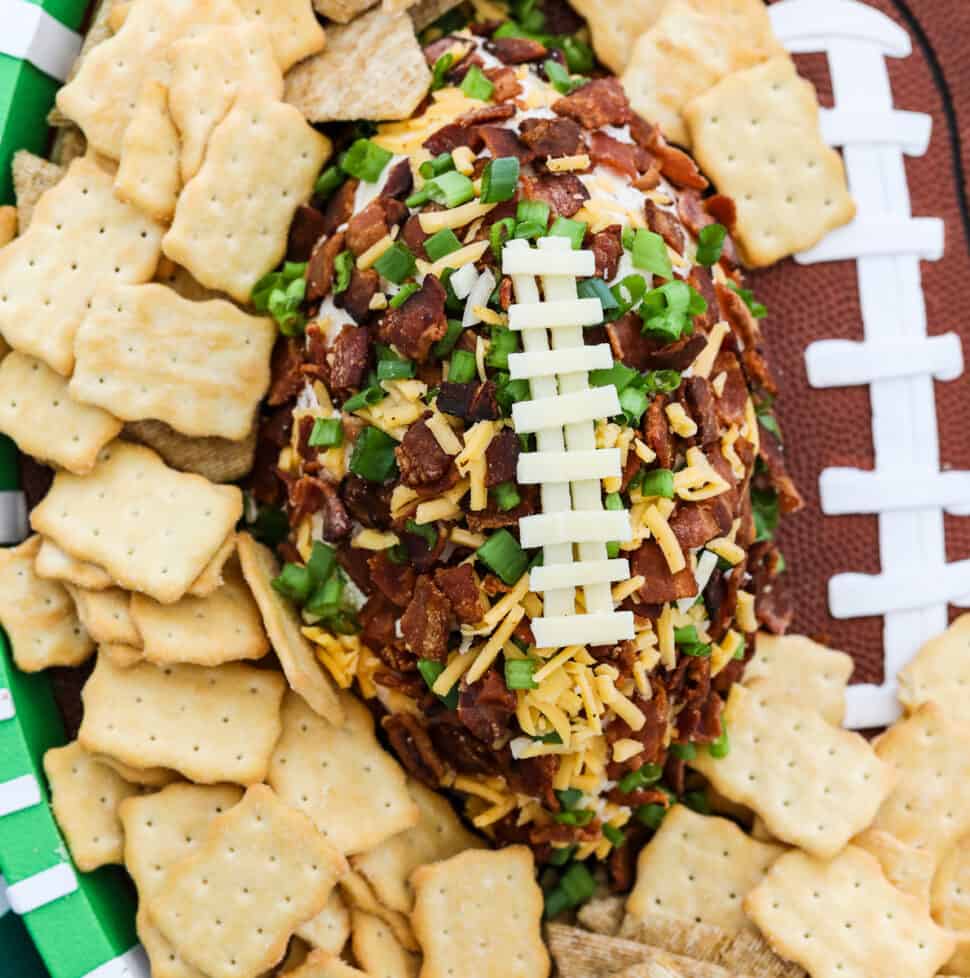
(491, 489)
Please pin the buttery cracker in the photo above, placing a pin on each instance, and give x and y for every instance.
(149, 777)
(378, 951)
(794, 666)
(38, 412)
(462, 909)
(230, 908)
(210, 725)
(233, 216)
(303, 670)
(756, 135)
(382, 70)
(117, 14)
(151, 528)
(105, 615)
(85, 795)
(929, 807)
(950, 903)
(56, 565)
(357, 793)
(144, 352)
(38, 614)
(690, 48)
(209, 72)
(293, 29)
(81, 238)
(103, 96)
(320, 964)
(223, 627)
(213, 574)
(33, 176)
(329, 930)
(342, 11)
(8, 224)
(940, 671)
(814, 785)
(438, 834)
(215, 459)
(698, 868)
(148, 172)
(359, 895)
(843, 919)
(908, 869)
(121, 655)
(423, 13)
(614, 26)
(161, 829)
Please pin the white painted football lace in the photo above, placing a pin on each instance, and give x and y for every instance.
(42, 888)
(18, 794)
(8, 709)
(31, 34)
(897, 359)
(132, 964)
(573, 528)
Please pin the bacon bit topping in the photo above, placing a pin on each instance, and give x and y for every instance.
(349, 359)
(356, 299)
(415, 326)
(452, 136)
(665, 224)
(553, 137)
(565, 193)
(420, 458)
(487, 113)
(501, 458)
(627, 158)
(504, 142)
(319, 273)
(340, 207)
(394, 581)
(287, 377)
(413, 746)
(601, 102)
(426, 622)
(517, 50)
(470, 402)
(607, 246)
(463, 589)
(308, 226)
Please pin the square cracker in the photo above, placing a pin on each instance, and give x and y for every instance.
(215, 459)
(950, 903)
(383, 72)
(151, 528)
(85, 795)
(81, 239)
(615, 26)
(223, 627)
(233, 217)
(231, 907)
(359, 895)
(929, 807)
(794, 666)
(293, 29)
(320, 964)
(211, 725)
(344, 11)
(463, 908)
(329, 929)
(105, 615)
(148, 172)
(8, 224)
(209, 72)
(38, 412)
(33, 176)
(908, 869)
(340, 775)
(844, 919)
(38, 614)
(438, 834)
(149, 777)
(142, 351)
(213, 576)
(940, 671)
(756, 135)
(160, 829)
(303, 670)
(690, 48)
(699, 868)
(121, 655)
(103, 95)
(56, 565)
(814, 785)
(378, 951)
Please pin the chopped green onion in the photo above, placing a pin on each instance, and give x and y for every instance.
(769, 422)
(697, 801)
(426, 531)
(560, 79)
(365, 160)
(665, 310)
(628, 292)
(569, 798)
(527, 230)
(446, 344)
(720, 747)
(578, 884)
(650, 253)
(661, 381)
(270, 526)
(619, 375)
(284, 307)
(441, 68)
(397, 263)
(326, 433)
(579, 56)
(556, 899)
(367, 397)
(698, 651)
(686, 635)
(613, 501)
(506, 496)
(651, 815)
(442, 163)
(419, 197)
(430, 670)
(518, 674)
(343, 267)
(634, 403)
(442, 243)
(757, 309)
(502, 554)
(613, 549)
(328, 182)
(403, 294)
(596, 288)
(451, 189)
(325, 600)
(575, 231)
(499, 233)
(739, 651)
(373, 456)
(561, 855)
(509, 391)
(533, 210)
(658, 482)
(476, 85)
(294, 582)
(614, 835)
(686, 752)
(710, 241)
(462, 367)
(643, 776)
(504, 342)
(499, 180)
(394, 369)
(580, 817)
(322, 562)
(549, 738)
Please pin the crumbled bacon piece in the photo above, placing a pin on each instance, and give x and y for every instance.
(772, 600)
(501, 458)
(723, 210)
(394, 581)
(657, 432)
(650, 178)
(348, 359)
(660, 584)
(306, 229)
(465, 752)
(517, 50)
(400, 181)
(733, 399)
(427, 620)
(366, 228)
(504, 142)
(601, 102)
(701, 280)
(565, 193)
(486, 707)
(535, 776)
(450, 137)
(491, 518)
(553, 137)
(319, 272)
(420, 458)
(700, 406)
(656, 709)
(773, 455)
(665, 224)
(696, 523)
(367, 502)
(356, 298)
(463, 589)
(287, 378)
(473, 401)
(627, 158)
(411, 743)
(340, 207)
(377, 619)
(607, 247)
(418, 324)
(421, 556)
(414, 236)
(496, 112)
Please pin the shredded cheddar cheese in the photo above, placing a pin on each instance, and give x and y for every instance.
(566, 164)
(666, 539)
(704, 361)
(680, 422)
